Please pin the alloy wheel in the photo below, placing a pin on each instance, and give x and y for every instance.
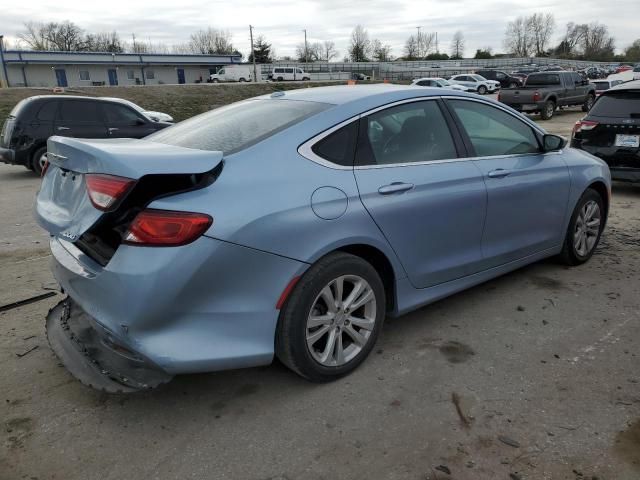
(341, 320)
(587, 228)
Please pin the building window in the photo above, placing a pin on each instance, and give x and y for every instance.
(84, 75)
(150, 75)
(131, 75)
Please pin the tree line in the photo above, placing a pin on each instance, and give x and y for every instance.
(526, 36)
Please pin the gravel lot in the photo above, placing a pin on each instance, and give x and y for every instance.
(534, 375)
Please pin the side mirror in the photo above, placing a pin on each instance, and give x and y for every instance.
(552, 143)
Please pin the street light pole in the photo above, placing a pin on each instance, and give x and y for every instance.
(253, 55)
(306, 50)
(419, 42)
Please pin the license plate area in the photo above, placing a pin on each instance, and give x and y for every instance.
(627, 141)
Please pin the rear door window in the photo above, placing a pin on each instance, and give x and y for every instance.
(408, 133)
(47, 112)
(79, 111)
(237, 126)
(619, 104)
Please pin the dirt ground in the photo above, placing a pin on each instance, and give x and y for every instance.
(534, 375)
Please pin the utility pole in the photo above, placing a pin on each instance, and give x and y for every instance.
(253, 55)
(306, 50)
(419, 41)
(133, 36)
(437, 50)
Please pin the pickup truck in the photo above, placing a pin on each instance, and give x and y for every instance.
(544, 92)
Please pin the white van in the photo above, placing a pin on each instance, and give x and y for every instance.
(280, 74)
(232, 73)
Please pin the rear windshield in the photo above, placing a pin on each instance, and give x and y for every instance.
(543, 79)
(601, 85)
(238, 126)
(619, 104)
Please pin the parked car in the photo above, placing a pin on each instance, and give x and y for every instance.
(611, 131)
(551, 68)
(505, 80)
(360, 76)
(593, 73)
(232, 73)
(476, 83)
(177, 257)
(624, 68)
(150, 114)
(636, 72)
(602, 85)
(438, 82)
(280, 74)
(543, 92)
(33, 120)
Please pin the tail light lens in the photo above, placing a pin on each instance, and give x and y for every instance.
(536, 96)
(166, 228)
(106, 190)
(584, 126)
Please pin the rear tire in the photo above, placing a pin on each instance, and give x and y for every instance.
(38, 159)
(279, 79)
(585, 228)
(320, 335)
(588, 103)
(548, 110)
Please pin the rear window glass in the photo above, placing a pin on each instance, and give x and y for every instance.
(238, 126)
(543, 79)
(601, 85)
(619, 104)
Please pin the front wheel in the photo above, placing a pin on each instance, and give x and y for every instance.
(588, 103)
(584, 230)
(332, 319)
(482, 90)
(215, 80)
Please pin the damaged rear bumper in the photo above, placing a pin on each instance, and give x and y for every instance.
(93, 356)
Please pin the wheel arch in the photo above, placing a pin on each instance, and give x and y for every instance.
(600, 187)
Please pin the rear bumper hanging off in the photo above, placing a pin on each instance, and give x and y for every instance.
(93, 356)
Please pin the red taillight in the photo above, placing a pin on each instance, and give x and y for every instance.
(166, 228)
(45, 167)
(105, 190)
(584, 126)
(536, 96)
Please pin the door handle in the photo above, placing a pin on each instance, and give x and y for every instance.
(113, 129)
(499, 173)
(63, 128)
(395, 187)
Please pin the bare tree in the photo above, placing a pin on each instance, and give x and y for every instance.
(312, 52)
(571, 40)
(541, 28)
(411, 49)
(457, 45)
(65, 36)
(518, 37)
(211, 41)
(426, 42)
(381, 52)
(35, 36)
(597, 44)
(329, 51)
(360, 45)
(103, 42)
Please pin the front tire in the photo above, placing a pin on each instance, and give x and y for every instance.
(38, 160)
(482, 90)
(332, 319)
(585, 228)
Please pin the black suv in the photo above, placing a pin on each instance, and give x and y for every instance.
(506, 80)
(611, 131)
(32, 121)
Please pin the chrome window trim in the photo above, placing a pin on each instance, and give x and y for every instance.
(305, 149)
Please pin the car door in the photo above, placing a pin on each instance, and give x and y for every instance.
(124, 122)
(79, 118)
(527, 190)
(426, 198)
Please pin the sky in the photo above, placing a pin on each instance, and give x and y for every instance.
(282, 21)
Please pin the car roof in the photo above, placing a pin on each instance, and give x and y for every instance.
(342, 94)
(71, 97)
(427, 78)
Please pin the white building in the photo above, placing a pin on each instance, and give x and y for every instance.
(85, 69)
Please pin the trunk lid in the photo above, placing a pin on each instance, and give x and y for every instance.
(63, 206)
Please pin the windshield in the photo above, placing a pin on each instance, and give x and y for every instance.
(237, 126)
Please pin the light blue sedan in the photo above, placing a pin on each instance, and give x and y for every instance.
(292, 224)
